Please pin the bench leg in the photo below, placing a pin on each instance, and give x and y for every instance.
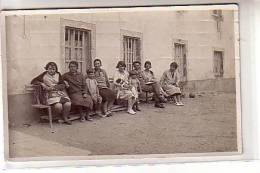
(146, 97)
(50, 116)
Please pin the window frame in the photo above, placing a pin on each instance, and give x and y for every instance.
(221, 73)
(81, 26)
(133, 34)
(185, 43)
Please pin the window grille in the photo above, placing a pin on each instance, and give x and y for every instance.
(131, 50)
(78, 47)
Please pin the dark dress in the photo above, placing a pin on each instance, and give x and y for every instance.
(77, 87)
(153, 87)
(103, 85)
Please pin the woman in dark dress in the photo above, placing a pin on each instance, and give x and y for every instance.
(108, 95)
(78, 91)
(51, 81)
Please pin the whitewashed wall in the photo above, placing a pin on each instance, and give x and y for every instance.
(32, 41)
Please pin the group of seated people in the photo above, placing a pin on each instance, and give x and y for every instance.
(93, 92)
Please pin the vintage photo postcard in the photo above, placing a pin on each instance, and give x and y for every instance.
(121, 83)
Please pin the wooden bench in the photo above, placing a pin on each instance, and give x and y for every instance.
(39, 102)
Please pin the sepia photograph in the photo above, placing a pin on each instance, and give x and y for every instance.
(122, 82)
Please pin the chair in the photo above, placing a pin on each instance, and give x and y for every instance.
(39, 101)
(147, 96)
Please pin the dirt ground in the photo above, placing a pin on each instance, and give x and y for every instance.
(206, 123)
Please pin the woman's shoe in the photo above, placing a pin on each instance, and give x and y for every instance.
(103, 115)
(159, 105)
(89, 119)
(131, 111)
(68, 122)
(82, 119)
(138, 109)
(109, 114)
(179, 104)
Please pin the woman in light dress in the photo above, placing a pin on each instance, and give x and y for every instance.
(52, 82)
(124, 90)
(170, 83)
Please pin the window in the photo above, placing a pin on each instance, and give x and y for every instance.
(78, 47)
(218, 64)
(78, 40)
(181, 59)
(131, 50)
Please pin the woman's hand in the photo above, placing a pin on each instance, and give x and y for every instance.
(99, 99)
(66, 84)
(45, 87)
(94, 98)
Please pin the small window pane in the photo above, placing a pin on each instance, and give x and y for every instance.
(66, 36)
(67, 53)
(76, 53)
(80, 39)
(80, 54)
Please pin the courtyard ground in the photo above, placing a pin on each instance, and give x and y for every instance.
(206, 123)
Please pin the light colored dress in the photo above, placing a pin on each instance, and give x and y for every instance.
(93, 90)
(54, 96)
(170, 82)
(123, 90)
(135, 83)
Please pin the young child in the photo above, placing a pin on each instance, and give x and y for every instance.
(93, 90)
(136, 86)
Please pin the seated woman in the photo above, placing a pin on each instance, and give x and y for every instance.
(78, 91)
(148, 82)
(52, 82)
(124, 90)
(108, 95)
(170, 83)
(149, 76)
